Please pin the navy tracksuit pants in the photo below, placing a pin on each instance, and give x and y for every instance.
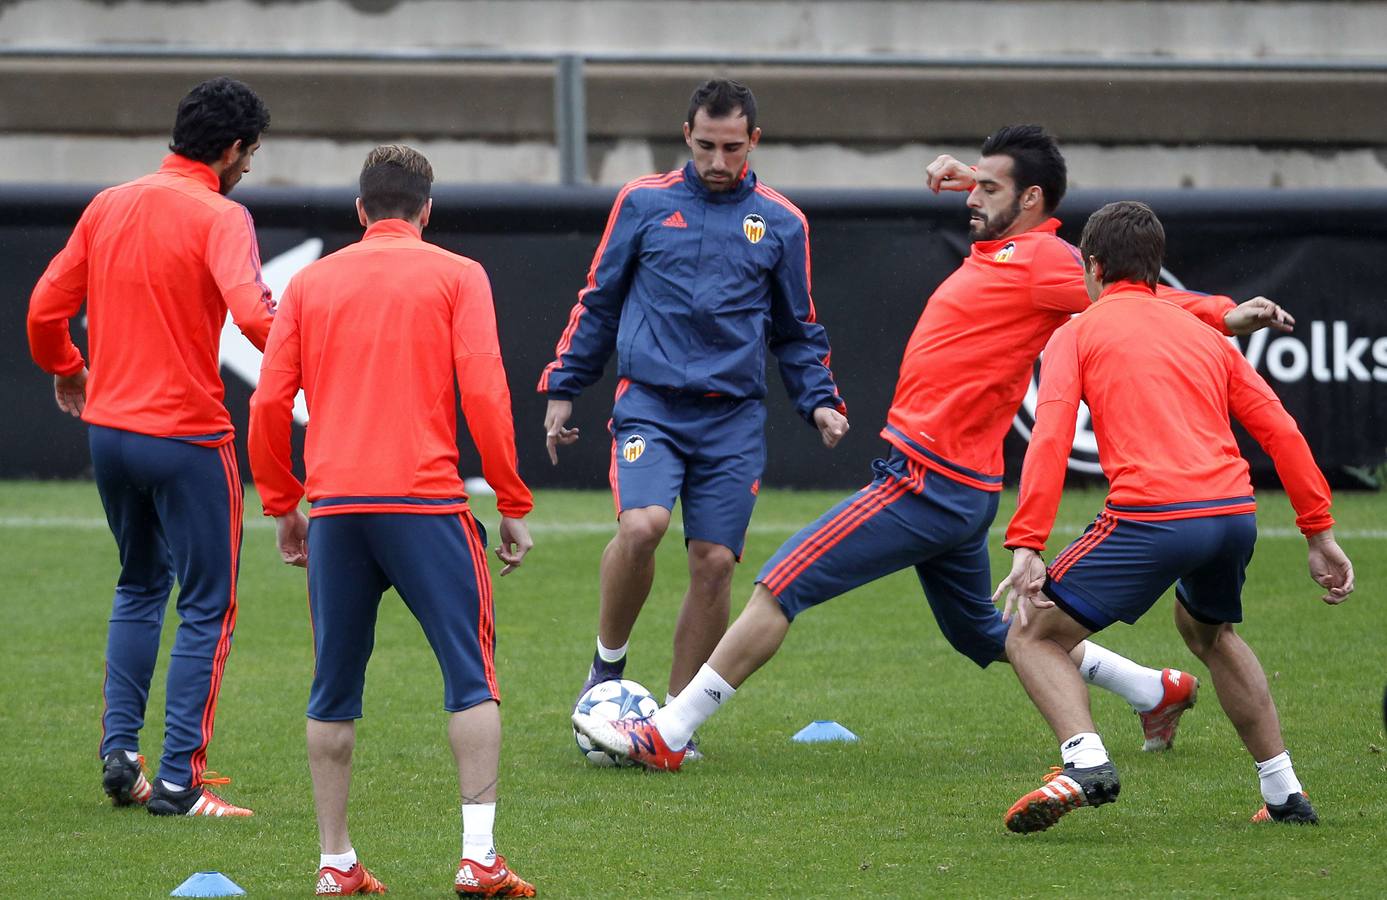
(174, 506)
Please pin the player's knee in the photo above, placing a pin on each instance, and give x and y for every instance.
(641, 530)
(1202, 638)
(1017, 639)
(711, 564)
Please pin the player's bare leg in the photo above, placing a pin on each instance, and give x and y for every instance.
(475, 736)
(1239, 681)
(1040, 653)
(752, 640)
(330, 746)
(707, 607)
(628, 569)
(1242, 690)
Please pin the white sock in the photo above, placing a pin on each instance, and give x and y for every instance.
(171, 787)
(606, 654)
(478, 820)
(1134, 683)
(1278, 779)
(339, 861)
(132, 756)
(680, 719)
(1084, 751)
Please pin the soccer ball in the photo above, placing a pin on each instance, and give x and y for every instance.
(612, 700)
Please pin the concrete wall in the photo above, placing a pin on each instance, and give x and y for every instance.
(1182, 119)
(1196, 29)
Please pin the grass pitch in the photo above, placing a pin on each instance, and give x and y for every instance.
(913, 809)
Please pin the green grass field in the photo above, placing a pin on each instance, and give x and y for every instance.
(913, 809)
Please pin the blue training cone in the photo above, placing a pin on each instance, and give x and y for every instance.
(208, 884)
(823, 730)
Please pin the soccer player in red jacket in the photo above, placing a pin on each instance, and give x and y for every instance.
(377, 334)
(159, 261)
(934, 497)
(1180, 511)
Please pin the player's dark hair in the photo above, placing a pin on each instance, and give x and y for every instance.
(1128, 241)
(395, 182)
(1035, 160)
(722, 97)
(216, 114)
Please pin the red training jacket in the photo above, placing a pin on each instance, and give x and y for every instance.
(1160, 386)
(159, 261)
(375, 334)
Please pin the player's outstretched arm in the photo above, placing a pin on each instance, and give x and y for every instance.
(948, 174)
(1256, 314)
(1330, 567)
(556, 430)
(515, 543)
(832, 425)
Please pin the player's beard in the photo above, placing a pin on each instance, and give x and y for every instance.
(989, 228)
(231, 175)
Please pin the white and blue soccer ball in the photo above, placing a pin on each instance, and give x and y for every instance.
(623, 699)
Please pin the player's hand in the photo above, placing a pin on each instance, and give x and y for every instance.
(71, 392)
(555, 431)
(1330, 567)
(515, 543)
(832, 425)
(1023, 585)
(291, 533)
(1256, 314)
(948, 174)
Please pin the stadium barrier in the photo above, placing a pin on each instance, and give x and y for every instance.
(876, 258)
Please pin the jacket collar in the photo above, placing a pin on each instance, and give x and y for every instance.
(738, 193)
(1126, 289)
(191, 168)
(391, 228)
(1049, 226)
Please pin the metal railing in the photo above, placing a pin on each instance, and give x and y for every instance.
(570, 106)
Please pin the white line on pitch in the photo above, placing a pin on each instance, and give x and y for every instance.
(608, 526)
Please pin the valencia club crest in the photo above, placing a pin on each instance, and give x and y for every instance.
(754, 227)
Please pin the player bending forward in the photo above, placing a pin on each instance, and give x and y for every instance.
(1179, 511)
(375, 334)
(965, 371)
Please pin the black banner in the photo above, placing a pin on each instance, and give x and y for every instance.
(876, 257)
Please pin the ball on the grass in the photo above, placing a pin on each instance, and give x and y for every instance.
(623, 699)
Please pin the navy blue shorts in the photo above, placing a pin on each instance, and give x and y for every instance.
(907, 516)
(1119, 568)
(707, 452)
(438, 565)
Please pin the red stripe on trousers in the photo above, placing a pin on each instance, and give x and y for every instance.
(1083, 539)
(486, 620)
(612, 477)
(819, 543)
(1098, 534)
(219, 655)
